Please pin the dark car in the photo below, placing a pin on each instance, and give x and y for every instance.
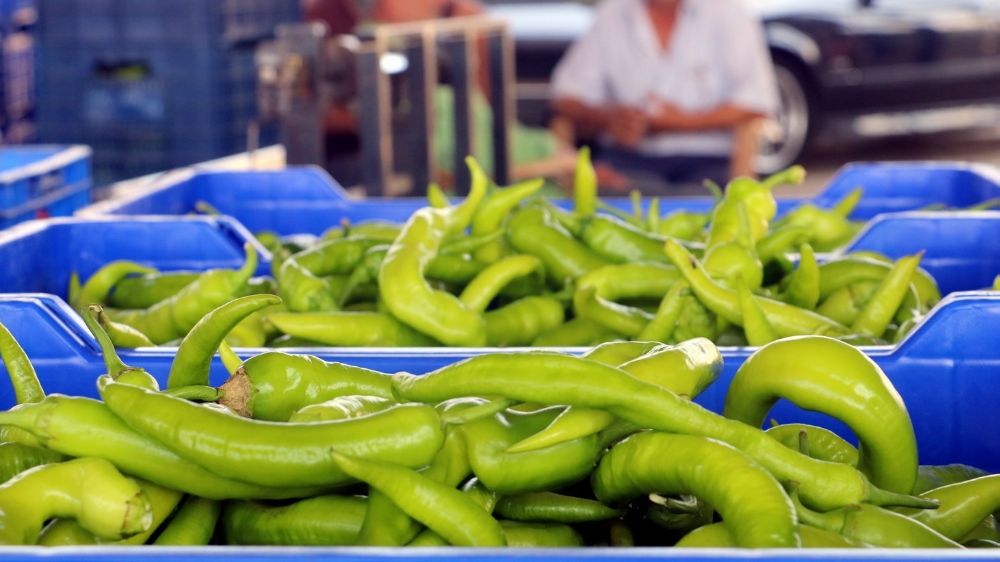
(843, 66)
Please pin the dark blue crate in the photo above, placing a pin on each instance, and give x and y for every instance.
(33, 171)
(178, 74)
(947, 371)
(265, 200)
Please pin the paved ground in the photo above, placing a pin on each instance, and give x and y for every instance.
(977, 146)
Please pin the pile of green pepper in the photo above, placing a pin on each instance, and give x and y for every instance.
(505, 269)
(530, 449)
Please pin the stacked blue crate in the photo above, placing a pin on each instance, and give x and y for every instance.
(41, 181)
(152, 84)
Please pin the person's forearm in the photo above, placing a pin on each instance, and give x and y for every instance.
(722, 117)
(587, 120)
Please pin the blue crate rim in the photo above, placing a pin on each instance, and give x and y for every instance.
(47, 199)
(66, 156)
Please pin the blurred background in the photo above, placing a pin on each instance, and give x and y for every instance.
(389, 96)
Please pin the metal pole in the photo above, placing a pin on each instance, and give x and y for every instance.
(462, 73)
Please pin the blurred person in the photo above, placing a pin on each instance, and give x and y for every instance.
(672, 89)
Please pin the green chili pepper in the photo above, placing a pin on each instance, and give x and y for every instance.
(755, 324)
(930, 477)
(996, 283)
(194, 356)
(463, 213)
(96, 289)
(494, 211)
(273, 385)
(786, 320)
(349, 329)
(410, 298)
(270, 454)
(175, 316)
(481, 291)
(509, 473)
(73, 291)
(735, 258)
(684, 225)
(553, 378)
(843, 383)
(597, 291)
(780, 241)
(385, 231)
(820, 443)
(620, 242)
(318, 521)
(804, 283)
(116, 368)
(386, 524)
(882, 307)
(192, 525)
(585, 184)
(523, 321)
(962, 506)
(540, 535)
(572, 423)
(89, 490)
(551, 507)
(845, 304)
(842, 272)
(436, 197)
(875, 526)
(534, 231)
(754, 507)
(65, 532)
(122, 335)
(15, 458)
(19, 369)
(342, 408)
(143, 291)
(718, 536)
(81, 427)
(578, 332)
(618, 352)
(445, 510)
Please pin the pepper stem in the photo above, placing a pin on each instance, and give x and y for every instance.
(112, 362)
(884, 498)
(250, 265)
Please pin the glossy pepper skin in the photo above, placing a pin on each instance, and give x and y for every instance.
(552, 507)
(754, 507)
(81, 427)
(786, 320)
(495, 209)
(274, 385)
(849, 270)
(552, 378)
(96, 289)
(543, 469)
(270, 454)
(19, 369)
(523, 321)
(15, 458)
(533, 230)
(350, 329)
(443, 509)
(192, 525)
(963, 506)
(194, 356)
(817, 442)
(89, 490)
(717, 535)
(318, 521)
(122, 335)
(875, 526)
(172, 318)
(620, 242)
(409, 297)
(143, 291)
(825, 375)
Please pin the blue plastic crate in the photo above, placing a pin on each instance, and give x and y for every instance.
(961, 249)
(41, 256)
(947, 371)
(307, 200)
(34, 171)
(152, 84)
(60, 203)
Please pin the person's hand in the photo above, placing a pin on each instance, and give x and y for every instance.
(611, 180)
(667, 116)
(627, 125)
